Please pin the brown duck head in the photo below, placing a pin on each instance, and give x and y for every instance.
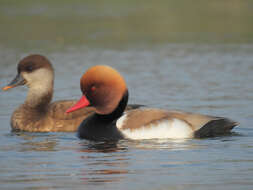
(31, 70)
(103, 88)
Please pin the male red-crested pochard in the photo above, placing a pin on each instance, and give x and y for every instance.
(105, 89)
(37, 114)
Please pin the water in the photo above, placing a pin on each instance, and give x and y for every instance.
(205, 72)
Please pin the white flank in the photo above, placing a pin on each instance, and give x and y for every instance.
(121, 120)
(174, 129)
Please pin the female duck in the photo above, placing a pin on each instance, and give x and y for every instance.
(104, 89)
(37, 114)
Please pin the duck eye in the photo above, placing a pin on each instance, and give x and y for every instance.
(29, 68)
(93, 88)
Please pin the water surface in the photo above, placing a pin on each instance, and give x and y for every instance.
(203, 64)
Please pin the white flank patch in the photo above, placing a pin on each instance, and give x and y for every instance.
(174, 129)
(121, 120)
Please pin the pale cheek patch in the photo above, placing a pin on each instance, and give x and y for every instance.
(174, 129)
(39, 81)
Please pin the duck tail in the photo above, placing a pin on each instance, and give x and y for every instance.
(217, 127)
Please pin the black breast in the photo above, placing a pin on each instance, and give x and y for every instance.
(103, 127)
(98, 129)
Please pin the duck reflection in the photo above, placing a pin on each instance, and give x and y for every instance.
(36, 142)
(103, 146)
(104, 162)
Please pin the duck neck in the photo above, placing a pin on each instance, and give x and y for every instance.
(118, 111)
(39, 96)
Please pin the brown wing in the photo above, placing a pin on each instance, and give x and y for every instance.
(57, 110)
(134, 119)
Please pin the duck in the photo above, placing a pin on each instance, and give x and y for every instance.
(38, 113)
(104, 89)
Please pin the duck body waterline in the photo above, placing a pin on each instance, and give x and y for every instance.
(49, 119)
(151, 123)
(105, 89)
